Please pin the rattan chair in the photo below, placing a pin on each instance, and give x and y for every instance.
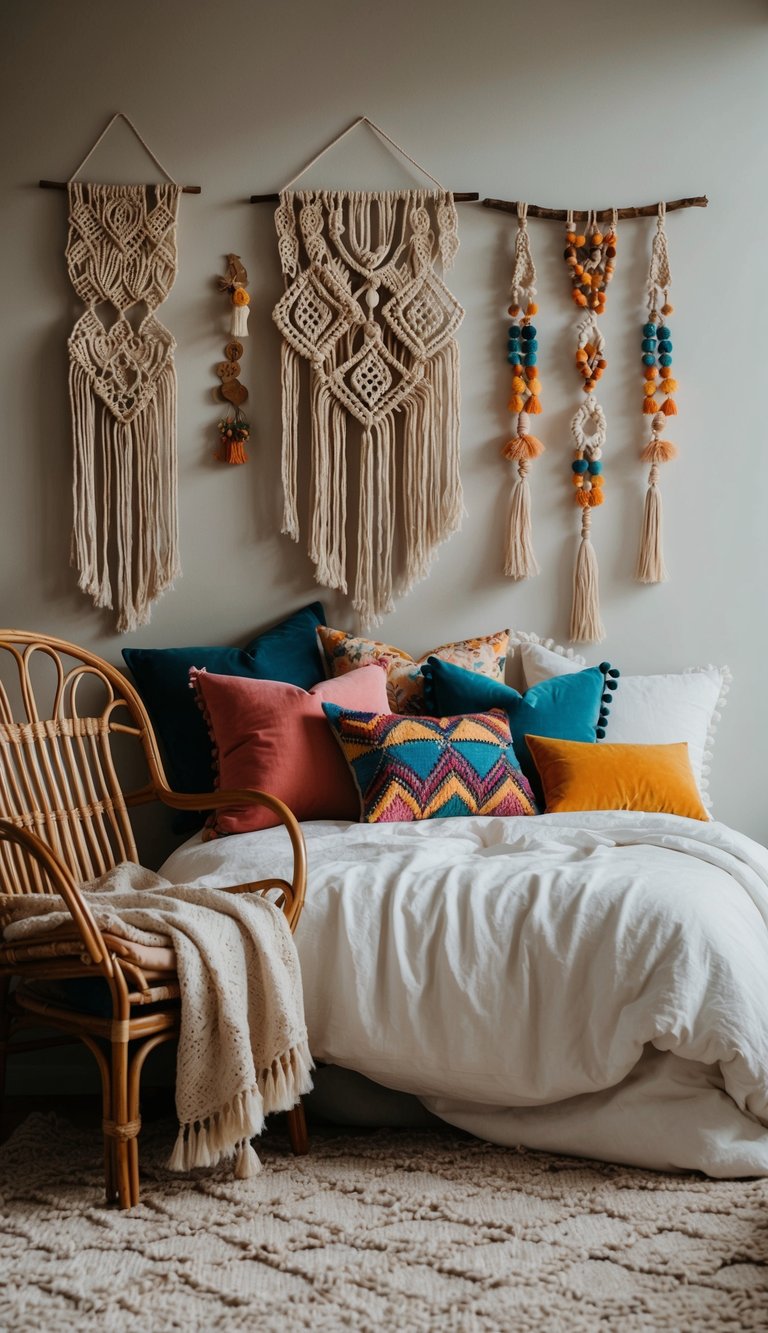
(66, 721)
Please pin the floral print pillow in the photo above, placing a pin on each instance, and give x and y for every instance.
(342, 652)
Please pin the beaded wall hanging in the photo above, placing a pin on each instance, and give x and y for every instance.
(590, 259)
(234, 430)
(121, 252)
(524, 402)
(657, 362)
(366, 312)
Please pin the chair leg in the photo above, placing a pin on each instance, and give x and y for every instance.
(5, 1033)
(297, 1131)
(119, 1123)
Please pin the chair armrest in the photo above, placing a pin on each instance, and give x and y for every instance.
(62, 882)
(219, 800)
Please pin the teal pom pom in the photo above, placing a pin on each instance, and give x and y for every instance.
(665, 345)
(649, 344)
(611, 684)
(515, 331)
(529, 332)
(531, 346)
(614, 671)
(579, 465)
(605, 667)
(649, 359)
(600, 732)
(606, 699)
(664, 332)
(512, 358)
(665, 359)
(595, 466)
(530, 359)
(649, 330)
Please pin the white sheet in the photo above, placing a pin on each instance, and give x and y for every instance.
(592, 983)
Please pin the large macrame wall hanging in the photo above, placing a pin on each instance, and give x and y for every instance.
(522, 354)
(368, 315)
(121, 251)
(657, 362)
(590, 258)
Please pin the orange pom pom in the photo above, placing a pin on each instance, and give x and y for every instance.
(518, 385)
(667, 309)
(515, 403)
(530, 372)
(532, 308)
(597, 480)
(649, 387)
(582, 498)
(596, 496)
(577, 479)
(579, 240)
(513, 310)
(534, 386)
(669, 407)
(570, 237)
(533, 406)
(581, 355)
(650, 406)
(650, 372)
(668, 385)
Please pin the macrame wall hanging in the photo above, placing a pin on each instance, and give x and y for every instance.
(657, 361)
(367, 314)
(121, 252)
(524, 402)
(234, 430)
(590, 259)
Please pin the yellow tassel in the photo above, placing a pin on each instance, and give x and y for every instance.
(659, 451)
(668, 385)
(669, 407)
(596, 496)
(533, 406)
(522, 446)
(582, 498)
(515, 403)
(650, 406)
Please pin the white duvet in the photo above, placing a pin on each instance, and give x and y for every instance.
(593, 984)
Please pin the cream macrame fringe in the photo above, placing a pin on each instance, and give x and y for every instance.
(122, 250)
(376, 326)
(651, 567)
(227, 1132)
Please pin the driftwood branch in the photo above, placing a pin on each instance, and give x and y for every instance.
(275, 198)
(602, 214)
(62, 185)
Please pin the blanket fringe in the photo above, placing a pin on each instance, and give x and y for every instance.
(228, 1131)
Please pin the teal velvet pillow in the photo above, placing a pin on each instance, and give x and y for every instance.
(566, 708)
(287, 652)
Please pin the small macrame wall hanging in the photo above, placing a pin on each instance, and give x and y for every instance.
(367, 315)
(524, 402)
(590, 258)
(234, 430)
(121, 252)
(657, 370)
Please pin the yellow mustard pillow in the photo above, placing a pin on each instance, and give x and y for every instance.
(577, 775)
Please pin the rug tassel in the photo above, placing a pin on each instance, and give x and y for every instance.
(586, 625)
(650, 560)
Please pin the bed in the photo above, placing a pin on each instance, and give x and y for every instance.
(594, 984)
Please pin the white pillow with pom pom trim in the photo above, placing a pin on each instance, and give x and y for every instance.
(646, 710)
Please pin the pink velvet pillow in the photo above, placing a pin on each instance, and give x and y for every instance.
(274, 737)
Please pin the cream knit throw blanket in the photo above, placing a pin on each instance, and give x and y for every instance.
(243, 1048)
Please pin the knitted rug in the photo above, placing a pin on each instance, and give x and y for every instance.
(378, 1231)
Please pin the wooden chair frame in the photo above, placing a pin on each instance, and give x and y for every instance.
(64, 819)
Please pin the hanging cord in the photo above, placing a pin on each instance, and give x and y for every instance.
(657, 360)
(361, 120)
(120, 115)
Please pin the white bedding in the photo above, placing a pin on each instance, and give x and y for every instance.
(594, 984)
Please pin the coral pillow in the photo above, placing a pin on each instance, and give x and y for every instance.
(409, 768)
(344, 652)
(274, 737)
(578, 776)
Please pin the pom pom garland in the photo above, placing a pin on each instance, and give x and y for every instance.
(522, 348)
(656, 350)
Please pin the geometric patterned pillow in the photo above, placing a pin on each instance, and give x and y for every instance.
(342, 652)
(411, 768)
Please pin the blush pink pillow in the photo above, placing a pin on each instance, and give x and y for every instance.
(274, 737)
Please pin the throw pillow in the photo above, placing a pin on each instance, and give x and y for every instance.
(409, 768)
(286, 652)
(343, 652)
(651, 710)
(274, 737)
(569, 707)
(658, 778)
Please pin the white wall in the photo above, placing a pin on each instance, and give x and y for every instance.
(537, 101)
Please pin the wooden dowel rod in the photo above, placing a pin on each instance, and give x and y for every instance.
(275, 198)
(62, 185)
(602, 215)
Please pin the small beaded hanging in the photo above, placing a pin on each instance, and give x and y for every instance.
(590, 259)
(522, 354)
(657, 359)
(233, 429)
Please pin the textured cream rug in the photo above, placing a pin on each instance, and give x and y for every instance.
(383, 1231)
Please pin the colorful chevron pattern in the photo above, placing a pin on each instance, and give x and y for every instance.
(409, 768)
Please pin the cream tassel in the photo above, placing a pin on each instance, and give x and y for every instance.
(289, 376)
(586, 625)
(520, 561)
(247, 1162)
(650, 560)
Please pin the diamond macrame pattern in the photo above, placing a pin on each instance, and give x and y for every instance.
(315, 311)
(122, 366)
(424, 315)
(140, 242)
(373, 382)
